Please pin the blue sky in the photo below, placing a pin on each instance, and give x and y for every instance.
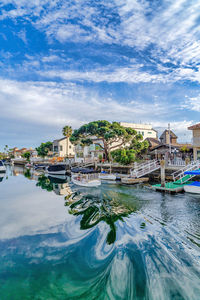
(70, 62)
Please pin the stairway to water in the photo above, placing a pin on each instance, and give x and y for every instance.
(145, 168)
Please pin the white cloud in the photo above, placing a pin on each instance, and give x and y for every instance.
(55, 104)
(192, 103)
(171, 29)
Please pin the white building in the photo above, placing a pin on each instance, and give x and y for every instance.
(63, 147)
(88, 153)
(145, 130)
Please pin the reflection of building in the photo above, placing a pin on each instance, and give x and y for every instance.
(196, 140)
(63, 147)
(145, 130)
(62, 189)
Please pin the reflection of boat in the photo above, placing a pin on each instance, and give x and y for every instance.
(56, 169)
(2, 176)
(28, 165)
(107, 176)
(2, 167)
(58, 178)
(40, 167)
(193, 187)
(85, 177)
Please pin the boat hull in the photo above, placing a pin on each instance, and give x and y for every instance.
(57, 170)
(91, 183)
(192, 189)
(107, 177)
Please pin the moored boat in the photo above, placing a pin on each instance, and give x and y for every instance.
(193, 187)
(59, 169)
(2, 167)
(107, 176)
(85, 177)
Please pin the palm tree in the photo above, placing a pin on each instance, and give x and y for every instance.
(67, 131)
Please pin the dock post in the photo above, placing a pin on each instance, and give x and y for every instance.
(162, 172)
(95, 164)
(187, 161)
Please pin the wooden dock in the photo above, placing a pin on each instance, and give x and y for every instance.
(170, 187)
(129, 180)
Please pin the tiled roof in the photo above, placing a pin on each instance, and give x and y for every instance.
(196, 126)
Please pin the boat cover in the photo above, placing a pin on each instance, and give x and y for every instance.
(194, 172)
(83, 170)
(195, 183)
(54, 168)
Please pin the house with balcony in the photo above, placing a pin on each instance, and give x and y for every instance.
(195, 140)
(63, 148)
(90, 152)
(146, 130)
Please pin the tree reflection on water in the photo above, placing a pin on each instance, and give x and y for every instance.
(100, 206)
(45, 183)
(107, 207)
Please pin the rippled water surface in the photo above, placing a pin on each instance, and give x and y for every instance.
(59, 241)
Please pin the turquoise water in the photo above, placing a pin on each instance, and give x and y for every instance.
(59, 241)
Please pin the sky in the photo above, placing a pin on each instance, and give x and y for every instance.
(72, 62)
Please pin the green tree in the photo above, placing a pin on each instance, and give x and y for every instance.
(67, 131)
(129, 154)
(44, 148)
(27, 155)
(110, 135)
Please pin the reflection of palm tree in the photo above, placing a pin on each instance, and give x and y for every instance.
(27, 173)
(45, 183)
(107, 208)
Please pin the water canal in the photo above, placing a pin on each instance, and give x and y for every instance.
(59, 241)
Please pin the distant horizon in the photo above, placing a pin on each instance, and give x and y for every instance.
(72, 62)
(160, 131)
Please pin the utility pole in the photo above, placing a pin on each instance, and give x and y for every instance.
(170, 148)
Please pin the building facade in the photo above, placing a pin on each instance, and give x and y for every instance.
(168, 138)
(63, 148)
(195, 140)
(145, 130)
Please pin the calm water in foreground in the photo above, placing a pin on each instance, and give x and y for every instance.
(59, 241)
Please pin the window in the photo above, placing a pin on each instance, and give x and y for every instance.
(61, 148)
(70, 146)
(143, 133)
(149, 132)
(55, 148)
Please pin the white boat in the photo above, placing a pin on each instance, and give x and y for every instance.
(193, 188)
(2, 167)
(56, 169)
(85, 177)
(107, 176)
